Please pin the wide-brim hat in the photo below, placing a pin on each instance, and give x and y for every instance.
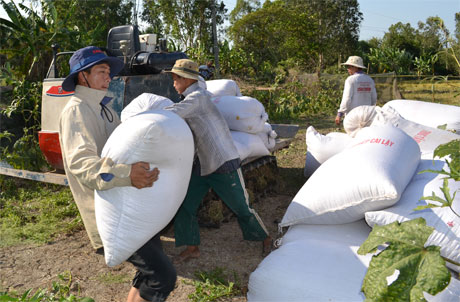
(85, 58)
(355, 61)
(185, 68)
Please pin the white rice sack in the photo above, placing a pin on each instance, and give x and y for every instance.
(358, 118)
(268, 136)
(144, 102)
(370, 174)
(322, 147)
(310, 265)
(223, 87)
(248, 145)
(242, 113)
(428, 138)
(445, 220)
(128, 217)
(428, 114)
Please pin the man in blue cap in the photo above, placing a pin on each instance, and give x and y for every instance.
(84, 127)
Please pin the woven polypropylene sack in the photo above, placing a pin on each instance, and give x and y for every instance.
(128, 217)
(242, 113)
(223, 87)
(368, 175)
(427, 113)
(322, 147)
(358, 118)
(144, 102)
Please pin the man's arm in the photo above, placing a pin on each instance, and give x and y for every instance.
(346, 100)
(80, 149)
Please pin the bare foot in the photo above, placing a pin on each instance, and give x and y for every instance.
(192, 251)
(267, 246)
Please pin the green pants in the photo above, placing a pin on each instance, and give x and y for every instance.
(230, 188)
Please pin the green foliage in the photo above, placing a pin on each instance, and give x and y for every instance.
(212, 286)
(446, 202)
(390, 59)
(295, 100)
(452, 150)
(421, 269)
(306, 32)
(60, 292)
(35, 212)
(187, 22)
(425, 64)
(28, 39)
(24, 101)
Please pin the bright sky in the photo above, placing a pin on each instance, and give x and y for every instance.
(379, 15)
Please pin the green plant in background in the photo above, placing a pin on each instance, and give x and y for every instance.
(294, 100)
(425, 63)
(60, 292)
(212, 286)
(415, 268)
(25, 101)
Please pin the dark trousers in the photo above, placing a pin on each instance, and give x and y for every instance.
(230, 188)
(156, 276)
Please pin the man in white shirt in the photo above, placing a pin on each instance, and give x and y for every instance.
(359, 88)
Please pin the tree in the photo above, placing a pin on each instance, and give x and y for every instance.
(311, 34)
(187, 22)
(338, 28)
(27, 39)
(457, 26)
(403, 37)
(94, 17)
(242, 8)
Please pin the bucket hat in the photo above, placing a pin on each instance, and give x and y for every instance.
(185, 68)
(85, 58)
(355, 61)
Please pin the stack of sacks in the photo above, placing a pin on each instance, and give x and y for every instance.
(428, 138)
(370, 174)
(246, 118)
(445, 220)
(311, 263)
(128, 217)
(223, 87)
(428, 114)
(322, 147)
(144, 102)
(268, 136)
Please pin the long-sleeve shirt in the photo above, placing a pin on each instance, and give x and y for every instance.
(212, 136)
(83, 131)
(359, 90)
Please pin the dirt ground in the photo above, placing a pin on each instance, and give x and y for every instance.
(33, 267)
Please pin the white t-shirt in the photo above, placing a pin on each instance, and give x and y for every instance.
(359, 90)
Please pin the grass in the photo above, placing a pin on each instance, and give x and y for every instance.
(109, 278)
(436, 90)
(212, 286)
(33, 212)
(60, 292)
(291, 160)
